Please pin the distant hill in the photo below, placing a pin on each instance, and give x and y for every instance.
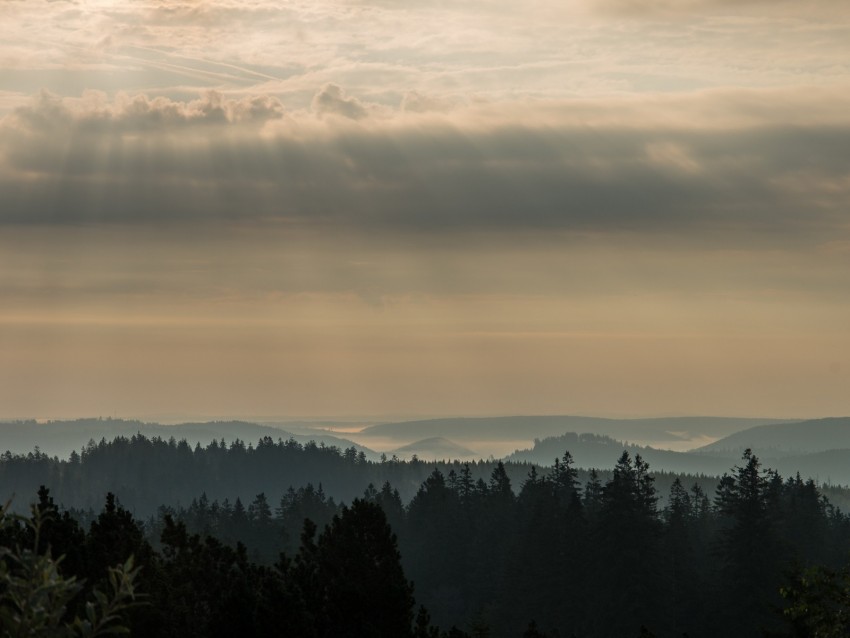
(599, 451)
(592, 450)
(531, 427)
(434, 448)
(787, 439)
(830, 466)
(148, 473)
(59, 438)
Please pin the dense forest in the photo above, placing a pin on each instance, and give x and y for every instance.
(60, 437)
(548, 554)
(788, 448)
(148, 472)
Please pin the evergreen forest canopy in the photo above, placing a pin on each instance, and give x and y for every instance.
(825, 457)
(61, 437)
(818, 448)
(486, 549)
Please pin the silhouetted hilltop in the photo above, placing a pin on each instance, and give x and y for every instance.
(531, 427)
(830, 466)
(595, 450)
(59, 438)
(786, 439)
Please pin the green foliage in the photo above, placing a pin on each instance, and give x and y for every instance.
(818, 603)
(35, 597)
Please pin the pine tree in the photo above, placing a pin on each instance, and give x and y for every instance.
(565, 478)
(592, 499)
(685, 583)
(437, 549)
(627, 551)
(748, 546)
(359, 571)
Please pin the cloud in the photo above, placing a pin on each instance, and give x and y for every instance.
(768, 164)
(140, 112)
(416, 102)
(380, 51)
(331, 99)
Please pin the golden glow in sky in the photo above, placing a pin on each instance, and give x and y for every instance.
(612, 207)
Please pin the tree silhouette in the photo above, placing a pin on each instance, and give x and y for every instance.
(364, 593)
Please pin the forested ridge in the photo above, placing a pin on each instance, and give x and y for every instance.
(787, 453)
(147, 472)
(548, 554)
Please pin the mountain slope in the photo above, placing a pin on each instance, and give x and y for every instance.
(784, 439)
(531, 427)
(593, 450)
(59, 438)
(590, 450)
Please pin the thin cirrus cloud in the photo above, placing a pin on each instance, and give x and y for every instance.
(383, 50)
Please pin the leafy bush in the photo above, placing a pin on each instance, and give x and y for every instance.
(35, 596)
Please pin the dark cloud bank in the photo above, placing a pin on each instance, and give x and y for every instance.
(143, 160)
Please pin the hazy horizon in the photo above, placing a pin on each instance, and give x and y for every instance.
(356, 421)
(482, 437)
(607, 207)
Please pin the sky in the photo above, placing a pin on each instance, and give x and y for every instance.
(257, 207)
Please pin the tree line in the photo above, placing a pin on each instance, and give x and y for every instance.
(552, 556)
(151, 471)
